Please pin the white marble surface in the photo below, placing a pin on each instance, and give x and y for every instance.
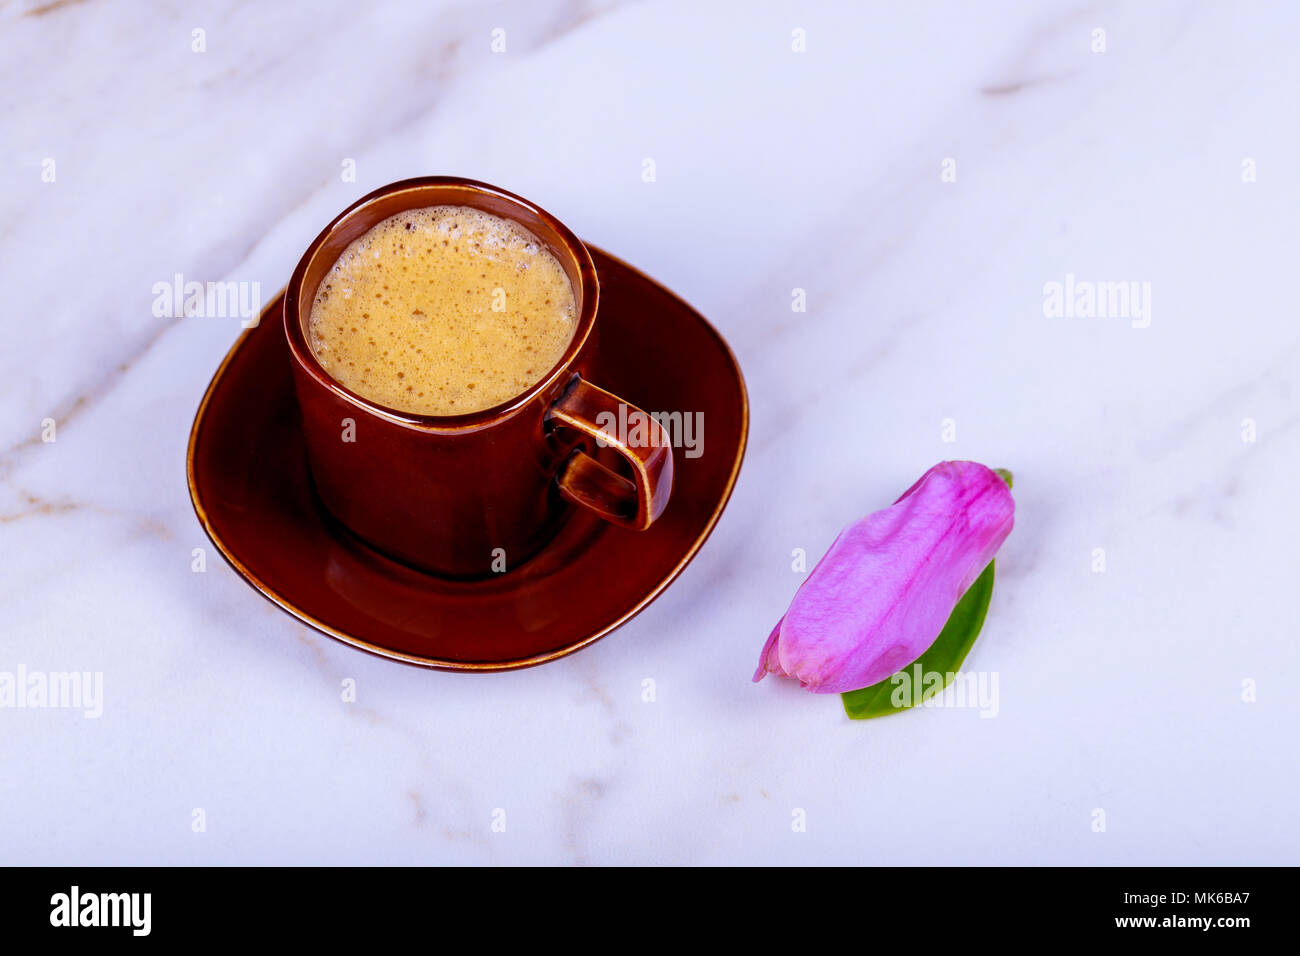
(776, 170)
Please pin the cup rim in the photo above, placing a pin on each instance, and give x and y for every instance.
(589, 292)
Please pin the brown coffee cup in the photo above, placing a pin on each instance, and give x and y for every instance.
(466, 495)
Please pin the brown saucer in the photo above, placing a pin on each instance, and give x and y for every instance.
(252, 493)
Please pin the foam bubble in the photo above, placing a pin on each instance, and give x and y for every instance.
(442, 311)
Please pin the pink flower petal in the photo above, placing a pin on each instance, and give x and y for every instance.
(881, 594)
(768, 662)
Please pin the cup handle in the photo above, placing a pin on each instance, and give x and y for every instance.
(585, 481)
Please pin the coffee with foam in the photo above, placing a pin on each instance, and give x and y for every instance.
(443, 311)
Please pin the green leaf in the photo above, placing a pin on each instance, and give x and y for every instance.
(944, 656)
